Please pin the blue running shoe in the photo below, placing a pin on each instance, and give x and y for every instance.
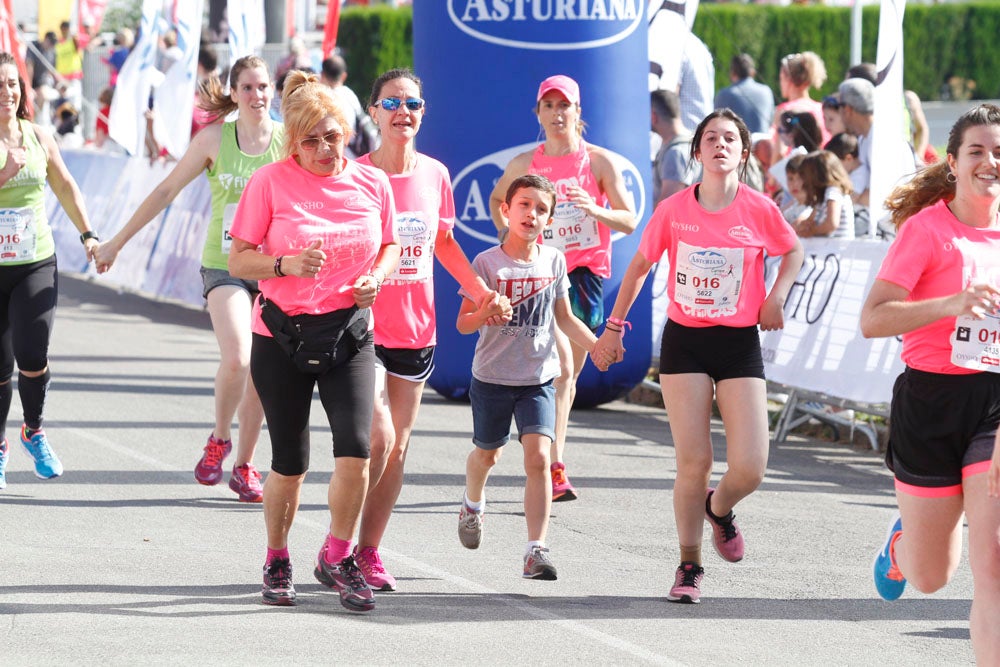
(889, 581)
(47, 464)
(4, 448)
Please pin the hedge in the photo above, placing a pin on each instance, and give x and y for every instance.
(942, 43)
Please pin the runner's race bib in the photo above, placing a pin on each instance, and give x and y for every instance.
(17, 235)
(416, 261)
(228, 214)
(708, 279)
(571, 229)
(975, 344)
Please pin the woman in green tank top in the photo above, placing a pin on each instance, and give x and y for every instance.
(228, 152)
(29, 158)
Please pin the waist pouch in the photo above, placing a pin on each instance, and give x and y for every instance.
(317, 343)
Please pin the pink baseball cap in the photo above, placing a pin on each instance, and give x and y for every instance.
(565, 85)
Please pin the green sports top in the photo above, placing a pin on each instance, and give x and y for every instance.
(226, 179)
(25, 235)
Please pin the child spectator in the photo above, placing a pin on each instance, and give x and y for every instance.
(101, 131)
(828, 190)
(793, 205)
(845, 147)
(514, 364)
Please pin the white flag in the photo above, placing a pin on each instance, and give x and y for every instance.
(892, 157)
(669, 22)
(247, 31)
(138, 76)
(173, 100)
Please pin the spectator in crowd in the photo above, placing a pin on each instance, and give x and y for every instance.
(297, 58)
(792, 199)
(101, 130)
(799, 128)
(798, 73)
(831, 115)
(169, 52)
(827, 189)
(41, 63)
(750, 99)
(696, 85)
(69, 64)
(123, 42)
(365, 137)
(208, 66)
(67, 119)
(857, 109)
(673, 168)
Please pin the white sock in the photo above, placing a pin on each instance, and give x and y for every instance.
(531, 545)
(475, 507)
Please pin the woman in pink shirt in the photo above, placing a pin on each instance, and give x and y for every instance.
(592, 203)
(405, 326)
(715, 235)
(939, 288)
(317, 231)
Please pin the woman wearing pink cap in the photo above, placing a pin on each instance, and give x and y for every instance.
(591, 202)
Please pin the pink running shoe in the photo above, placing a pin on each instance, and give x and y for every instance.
(209, 468)
(370, 564)
(245, 481)
(562, 490)
(726, 536)
(687, 583)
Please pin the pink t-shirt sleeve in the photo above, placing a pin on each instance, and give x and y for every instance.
(656, 237)
(254, 212)
(907, 258)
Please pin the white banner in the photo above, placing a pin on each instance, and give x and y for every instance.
(174, 98)
(821, 348)
(669, 22)
(138, 76)
(247, 32)
(164, 258)
(892, 157)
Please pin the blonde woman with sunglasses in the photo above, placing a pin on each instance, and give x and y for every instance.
(405, 325)
(318, 232)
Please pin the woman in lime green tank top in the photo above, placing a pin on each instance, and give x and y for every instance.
(29, 158)
(229, 152)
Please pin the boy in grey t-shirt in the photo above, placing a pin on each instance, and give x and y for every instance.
(515, 363)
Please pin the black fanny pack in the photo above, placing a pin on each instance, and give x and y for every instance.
(317, 343)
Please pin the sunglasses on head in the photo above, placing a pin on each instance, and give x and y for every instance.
(393, 103)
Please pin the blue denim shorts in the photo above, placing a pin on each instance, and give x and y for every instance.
(212, 278)
(533, 408)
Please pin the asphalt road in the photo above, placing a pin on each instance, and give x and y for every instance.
(126, 560)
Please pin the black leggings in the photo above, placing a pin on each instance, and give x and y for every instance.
(28, 295)
(347, 393)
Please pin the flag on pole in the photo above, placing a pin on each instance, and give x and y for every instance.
(173, 99)
(11, 43)
(91, 13)
(247, 31)
(669, 23)
(331, 27)
(892, 157)
(138, 76)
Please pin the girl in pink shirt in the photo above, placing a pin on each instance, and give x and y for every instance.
(715, 234)
(939, 288)
(317, 231)
(405, 326)
(592, 202)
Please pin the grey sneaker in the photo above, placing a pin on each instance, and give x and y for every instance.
(470, 527)
(538, 565)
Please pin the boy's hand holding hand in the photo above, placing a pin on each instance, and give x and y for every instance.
(494, 309)
(610, 349)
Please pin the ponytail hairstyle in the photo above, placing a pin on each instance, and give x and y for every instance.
(214, 99)
(931, 184)
(22, 104)
(304, 103)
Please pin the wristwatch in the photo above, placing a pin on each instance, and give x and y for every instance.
(89, 235)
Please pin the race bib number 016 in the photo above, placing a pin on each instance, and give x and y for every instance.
(572, 229)
(17, 234)
(975, 344)
(708, 278)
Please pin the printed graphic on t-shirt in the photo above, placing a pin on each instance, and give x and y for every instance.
(532, 304)
(416, 261)
(228, 213)
(17, 234)
(708, 280)
(571, 229)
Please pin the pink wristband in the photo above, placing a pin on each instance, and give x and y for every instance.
(620, 322)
